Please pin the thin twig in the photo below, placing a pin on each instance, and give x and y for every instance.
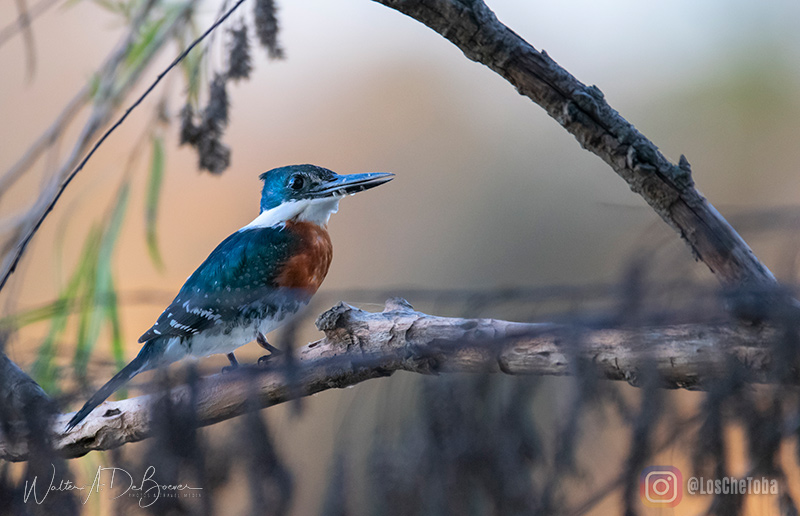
(44, 141)
(23, 22)
(27, 36)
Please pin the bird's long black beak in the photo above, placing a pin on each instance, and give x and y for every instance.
(350, 184)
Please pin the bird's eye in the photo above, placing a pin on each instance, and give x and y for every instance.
(296, 182)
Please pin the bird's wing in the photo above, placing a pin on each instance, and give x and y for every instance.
(239, 273)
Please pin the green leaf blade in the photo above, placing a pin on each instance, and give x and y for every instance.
(100, 286)
(154, 183)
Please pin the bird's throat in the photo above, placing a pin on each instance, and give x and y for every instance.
(315, 211)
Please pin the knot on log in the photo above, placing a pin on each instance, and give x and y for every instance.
(335, 318)
(348, 317)
(397, 304)
(344, 323)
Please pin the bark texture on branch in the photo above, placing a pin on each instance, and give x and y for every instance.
(583, 111)
(359, 345)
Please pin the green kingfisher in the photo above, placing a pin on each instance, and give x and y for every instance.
(255, 280)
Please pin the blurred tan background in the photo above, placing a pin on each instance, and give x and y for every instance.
(489, 192)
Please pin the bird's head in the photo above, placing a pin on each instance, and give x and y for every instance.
(309, 192)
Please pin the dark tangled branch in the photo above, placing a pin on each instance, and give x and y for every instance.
(359, 345)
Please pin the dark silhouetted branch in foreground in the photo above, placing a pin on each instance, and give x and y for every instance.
(359, 345)
(18, 392)
(583, 111)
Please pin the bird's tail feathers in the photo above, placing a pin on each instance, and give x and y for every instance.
(142, 362)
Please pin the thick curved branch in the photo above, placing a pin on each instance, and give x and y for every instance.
(583, 111)
(359, 345)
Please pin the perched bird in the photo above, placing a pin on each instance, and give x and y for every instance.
(254, 280)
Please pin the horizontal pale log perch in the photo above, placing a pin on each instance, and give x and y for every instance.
(359, 345)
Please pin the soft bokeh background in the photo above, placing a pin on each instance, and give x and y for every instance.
(489, 192)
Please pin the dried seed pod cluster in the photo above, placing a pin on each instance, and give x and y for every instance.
(203, 128)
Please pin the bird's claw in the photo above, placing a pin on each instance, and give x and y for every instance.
(273, 351)
(262, 341)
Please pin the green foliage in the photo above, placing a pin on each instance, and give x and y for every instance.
(87, 304)
(94, 85)
(151, 37)
(145, 44)
(154, 183)
(44, 369)
(33, 315)
(192, 71)
(91, 294)
(117, 347)
(98, 291)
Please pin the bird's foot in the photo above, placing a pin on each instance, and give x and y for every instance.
(274, 352)
(234, 364)
(262, 341)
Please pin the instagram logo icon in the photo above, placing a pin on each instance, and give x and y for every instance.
(661, 486)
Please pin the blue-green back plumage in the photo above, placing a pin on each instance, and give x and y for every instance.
(237, 281)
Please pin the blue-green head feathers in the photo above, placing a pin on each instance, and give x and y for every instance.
(295, 183)
(292, 183)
